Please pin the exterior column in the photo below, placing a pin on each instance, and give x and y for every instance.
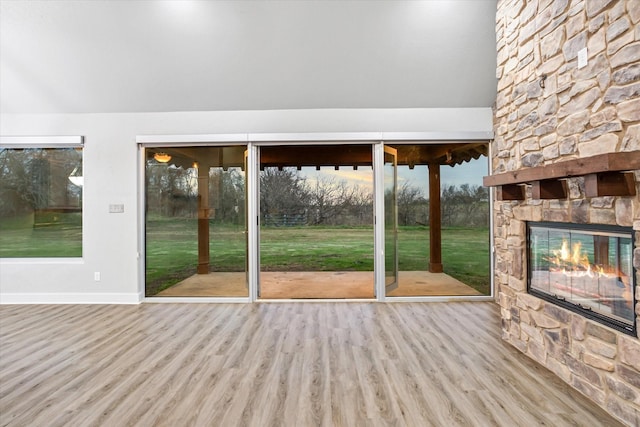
(203, 219)
(435, 220)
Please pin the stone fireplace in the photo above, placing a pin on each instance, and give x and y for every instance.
(567, 151)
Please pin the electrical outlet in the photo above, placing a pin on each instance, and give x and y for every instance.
(582, 58)
(96, 276)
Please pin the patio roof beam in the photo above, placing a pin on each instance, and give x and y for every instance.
(333, 155)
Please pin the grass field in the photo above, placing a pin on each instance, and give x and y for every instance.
(51, 235)
(172, 251)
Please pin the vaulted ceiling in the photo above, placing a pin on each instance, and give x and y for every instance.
(95, 56)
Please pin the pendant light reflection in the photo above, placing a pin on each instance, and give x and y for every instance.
(76, 177)
(162, 157)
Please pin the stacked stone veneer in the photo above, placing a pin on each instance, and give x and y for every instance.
(578, 113)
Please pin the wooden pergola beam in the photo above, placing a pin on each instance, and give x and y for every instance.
(316, 155)
(444, 154)
(327, 155)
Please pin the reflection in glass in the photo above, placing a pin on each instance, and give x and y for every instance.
(195, 222)
(41, 202)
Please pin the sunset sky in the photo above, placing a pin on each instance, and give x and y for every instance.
(466, 173)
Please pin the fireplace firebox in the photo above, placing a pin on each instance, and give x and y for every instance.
(585, 268)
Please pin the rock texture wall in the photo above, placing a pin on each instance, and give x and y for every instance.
(578, 113)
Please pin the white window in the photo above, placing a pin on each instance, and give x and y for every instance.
(41, 182)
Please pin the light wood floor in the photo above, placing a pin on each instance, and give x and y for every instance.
(316, 284)
(274, 364)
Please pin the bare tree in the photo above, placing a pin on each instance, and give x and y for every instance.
(282, 192)
(465, 205)
(359, 208)
(227, 195)
(330, 199)
(171, 190)
(32, 179)
(412, 206)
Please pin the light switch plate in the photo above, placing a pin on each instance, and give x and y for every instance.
(582, 58)
(116, 208)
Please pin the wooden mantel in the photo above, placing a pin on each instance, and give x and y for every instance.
(605, 175)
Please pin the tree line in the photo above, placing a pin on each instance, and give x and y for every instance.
(464, 205)
(33, 180)
(37, 179)
(288, 198)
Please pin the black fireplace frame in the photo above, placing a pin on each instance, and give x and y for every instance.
(574, 307)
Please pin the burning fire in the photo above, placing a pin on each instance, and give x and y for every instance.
(588, 275)
(575, 260)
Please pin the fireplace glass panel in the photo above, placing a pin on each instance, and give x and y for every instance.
(588, 268)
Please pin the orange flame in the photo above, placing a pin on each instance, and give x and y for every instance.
(575, 260)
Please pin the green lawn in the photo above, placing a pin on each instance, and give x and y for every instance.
(316, 249)
(172, 251)
(49, 235)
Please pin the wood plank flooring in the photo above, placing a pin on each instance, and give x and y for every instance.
(274, 364)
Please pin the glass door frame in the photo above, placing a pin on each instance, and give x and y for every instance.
(173, 141)
(391, 219)
(254, 205)
(252, 142)
(253, 218)
(379, 221)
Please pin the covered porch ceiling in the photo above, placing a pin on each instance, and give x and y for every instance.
(333, 155)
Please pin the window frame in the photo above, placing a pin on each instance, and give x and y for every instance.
(47, 142)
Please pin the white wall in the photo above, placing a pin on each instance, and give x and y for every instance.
(93, 56)
(111, 170)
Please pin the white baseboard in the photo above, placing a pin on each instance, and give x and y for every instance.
(70, 298)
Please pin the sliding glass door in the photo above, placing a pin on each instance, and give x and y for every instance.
(316, 222)
(289, 221)
(195, 222)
